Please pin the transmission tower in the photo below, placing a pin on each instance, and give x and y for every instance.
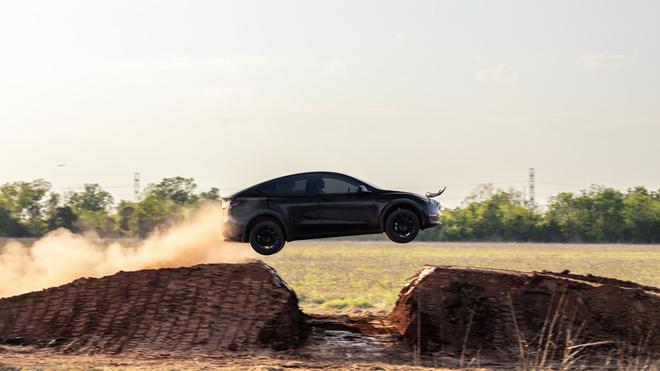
(532, 185)
(136, 187)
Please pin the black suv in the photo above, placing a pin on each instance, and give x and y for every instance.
(323, 204)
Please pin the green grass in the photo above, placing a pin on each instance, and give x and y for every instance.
(367, 276)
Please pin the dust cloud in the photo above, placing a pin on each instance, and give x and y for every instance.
(61, 256)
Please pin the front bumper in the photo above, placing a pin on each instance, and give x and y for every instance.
(432, 214)
(432, 221)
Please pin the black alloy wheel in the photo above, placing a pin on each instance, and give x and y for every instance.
(402, 226)
(267, 237)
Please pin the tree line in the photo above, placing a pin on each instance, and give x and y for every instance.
(31, 209)
(598, 214)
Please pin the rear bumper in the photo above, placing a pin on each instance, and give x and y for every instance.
(232, 230)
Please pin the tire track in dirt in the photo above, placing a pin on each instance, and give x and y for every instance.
(200, 309)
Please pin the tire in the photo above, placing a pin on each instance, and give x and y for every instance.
(267, 237)
(402, 226)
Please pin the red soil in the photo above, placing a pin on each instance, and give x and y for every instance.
(201, 309)
(501, 314)
(231, 310)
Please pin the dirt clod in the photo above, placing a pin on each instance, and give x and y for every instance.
(499, 314)
(201, 309)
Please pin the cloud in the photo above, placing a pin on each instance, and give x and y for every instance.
(227, 63)
(502, 74)
(231, 92)
(601, 61)
(232, 63)
(334, 68)
(233, 99)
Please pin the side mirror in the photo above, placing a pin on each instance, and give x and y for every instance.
(363, 189)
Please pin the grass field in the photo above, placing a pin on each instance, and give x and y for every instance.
(367, 276)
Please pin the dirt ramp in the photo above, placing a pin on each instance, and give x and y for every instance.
(201, 309)
(506, 314)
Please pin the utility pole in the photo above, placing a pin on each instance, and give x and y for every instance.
(532, 185)
(136, 187)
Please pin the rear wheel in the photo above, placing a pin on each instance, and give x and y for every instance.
(402, 226)
(267, 237)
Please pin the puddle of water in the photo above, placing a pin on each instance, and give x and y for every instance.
(349, 345)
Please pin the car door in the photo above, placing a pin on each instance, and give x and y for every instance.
(295, 198)
(346, 210)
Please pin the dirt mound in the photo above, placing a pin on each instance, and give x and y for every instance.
(200, 309)
(502, 314)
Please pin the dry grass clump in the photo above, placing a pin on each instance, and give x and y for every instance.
(560, 345)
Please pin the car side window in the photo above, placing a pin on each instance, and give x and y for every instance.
(334, 185)
(294, 185)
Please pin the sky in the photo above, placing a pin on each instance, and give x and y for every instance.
(406, 95)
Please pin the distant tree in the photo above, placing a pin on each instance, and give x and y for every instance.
(162, 204)
(641, 214)
(454, 227)
(150, 213)
(9, 226)
(63, 217)
(490, 214)
(212, 194)
(567, 215)
(594, 215)
(92, 207)
(53, 202)
(126, 209)
(27, 203)
(102, 222)
(92, 198)
(179, 190)
(606, 215)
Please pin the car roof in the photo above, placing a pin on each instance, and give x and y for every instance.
(311, 173)
(300, 174)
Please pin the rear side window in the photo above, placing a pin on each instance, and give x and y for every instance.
(285, 186)
(335, 185)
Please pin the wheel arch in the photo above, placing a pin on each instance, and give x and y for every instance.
(264, 216)
(399, 204)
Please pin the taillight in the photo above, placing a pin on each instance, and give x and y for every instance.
(232, 204)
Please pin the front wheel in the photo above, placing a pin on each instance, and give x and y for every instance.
(267, 237)
(402, 226)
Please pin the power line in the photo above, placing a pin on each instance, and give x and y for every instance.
(102, 186)
(561, 184)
